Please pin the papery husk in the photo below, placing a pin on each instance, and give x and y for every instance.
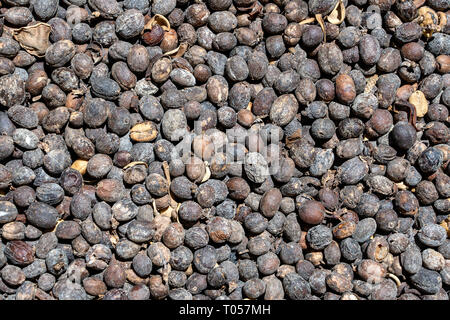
(114, 238)
(307, 20)
(401, 186)
(95, 51)
(207, 174)
(157, 19)
(177, 52)
(418, 100)
(164, 271)
(135, 163)
(337, 16)
(167, 212)
(34, 39)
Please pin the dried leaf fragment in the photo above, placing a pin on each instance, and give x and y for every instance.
(34, 39)
(418, 100)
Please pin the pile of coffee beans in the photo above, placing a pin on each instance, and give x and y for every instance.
(224, 149)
